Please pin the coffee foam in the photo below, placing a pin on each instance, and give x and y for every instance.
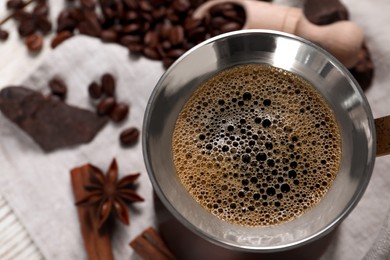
(256, 145)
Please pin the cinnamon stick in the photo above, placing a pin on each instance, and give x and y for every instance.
(149, 245)
(97, 242)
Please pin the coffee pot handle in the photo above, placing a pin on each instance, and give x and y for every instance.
(343, 39)
(382, 127)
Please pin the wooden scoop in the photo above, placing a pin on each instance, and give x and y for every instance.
(343, 39)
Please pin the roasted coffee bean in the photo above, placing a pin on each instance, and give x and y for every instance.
(60, 38)
(159, 13)
(151, 53)
(3, 35)
(58, 88)
(168, 62)
(43, 24)
(218, 22)
(105, 106)
(175, 53)
(166, 45)
(173, 16)
(15, 4)
(95, 90)
(34, 42)
(66, 24)
(176, 35)
(90, 25)
(131, 28)
(151, 39)
(231, 26)
(129, 136)
(197, 35)
(191, 23)
(131, 16)
(145, 6)
(108, 84)
(119, 112)
(181, 5)
(41, 9)
(88, 4)
(130, 39)
(26, 27)
(109, 36)
(217, 10)
(132, 4)
(20, 15)
(164, 29)
(135, 48)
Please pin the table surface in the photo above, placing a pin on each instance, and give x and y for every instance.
(16, 62)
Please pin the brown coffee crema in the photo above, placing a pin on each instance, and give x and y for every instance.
(256, 145)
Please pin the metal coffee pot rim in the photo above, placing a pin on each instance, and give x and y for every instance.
(290, 53)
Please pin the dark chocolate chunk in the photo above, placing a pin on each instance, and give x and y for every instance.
(52, 124)
(325, 12)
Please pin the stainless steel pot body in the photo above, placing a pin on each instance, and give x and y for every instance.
(290, 53)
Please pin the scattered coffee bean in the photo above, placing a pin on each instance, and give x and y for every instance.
(58, 88)
(176, 35)
(88, 4)
(119, 112)
(109, 36)
(95, 90)
(41, 9)
(43, 24)
(129, 136)
(26, 27)
(108, 84)
(15, 4)
(3, 35)
(105, 106)
(60, 37)
(34, 42)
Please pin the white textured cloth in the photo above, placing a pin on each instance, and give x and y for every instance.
(37, 185)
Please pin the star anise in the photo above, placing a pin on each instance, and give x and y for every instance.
(108, 195)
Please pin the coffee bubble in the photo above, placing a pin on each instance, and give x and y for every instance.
(256, 145)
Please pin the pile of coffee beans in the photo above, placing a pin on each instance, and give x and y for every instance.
(157, 29)
(32, 25)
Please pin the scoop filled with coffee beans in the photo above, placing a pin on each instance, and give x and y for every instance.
(343, 39)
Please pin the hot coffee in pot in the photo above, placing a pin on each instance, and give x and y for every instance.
(256, 145)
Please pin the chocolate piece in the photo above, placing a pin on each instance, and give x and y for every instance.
(149, 245)
(52, 124)
(364, 69)
(325, 12)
